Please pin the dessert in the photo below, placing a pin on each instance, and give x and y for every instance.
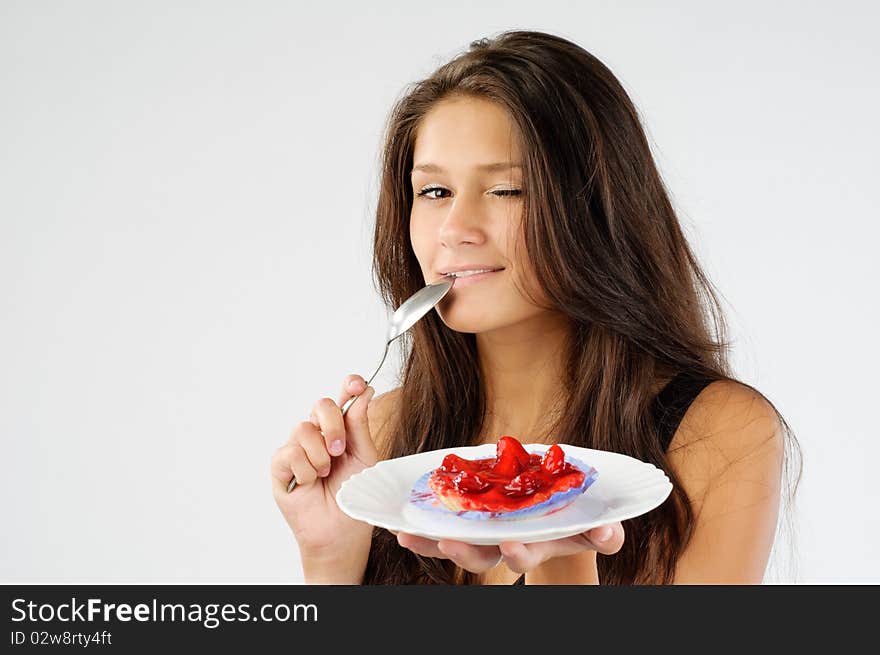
(513, 484)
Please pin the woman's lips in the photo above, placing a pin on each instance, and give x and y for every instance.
(468, 280)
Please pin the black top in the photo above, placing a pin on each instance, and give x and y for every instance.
(669, 408)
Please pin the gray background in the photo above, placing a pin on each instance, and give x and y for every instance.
(186, 197)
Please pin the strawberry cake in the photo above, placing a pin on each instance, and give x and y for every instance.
(513, 484)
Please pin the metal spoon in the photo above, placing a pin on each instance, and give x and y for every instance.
(412, 309)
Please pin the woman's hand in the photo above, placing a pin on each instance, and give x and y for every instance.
(520, 558)
(322, 453)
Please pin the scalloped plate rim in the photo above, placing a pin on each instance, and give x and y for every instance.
(653, 489)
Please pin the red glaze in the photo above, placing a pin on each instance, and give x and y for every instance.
(511, 480)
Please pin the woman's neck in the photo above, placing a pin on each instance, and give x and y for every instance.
(523, 373)
(522, 369)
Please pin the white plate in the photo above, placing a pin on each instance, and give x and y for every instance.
(380, 495)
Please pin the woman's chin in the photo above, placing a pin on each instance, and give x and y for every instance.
(461, 321)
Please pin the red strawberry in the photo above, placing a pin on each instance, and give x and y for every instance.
(471, 482)
(510, 457)
(553, 460)
(524, 484)
(453, 464)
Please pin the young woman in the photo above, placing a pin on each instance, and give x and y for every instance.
(596, 328)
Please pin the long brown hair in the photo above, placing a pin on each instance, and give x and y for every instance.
(607, 250)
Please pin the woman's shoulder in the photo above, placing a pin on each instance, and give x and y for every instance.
(730, 431)
(728, 456)
(728, 411)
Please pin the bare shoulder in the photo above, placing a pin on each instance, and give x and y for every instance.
(728, 427)
(729, 414)
(379, 412)
(728, 457)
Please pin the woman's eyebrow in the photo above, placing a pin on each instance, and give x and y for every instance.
(497, 166)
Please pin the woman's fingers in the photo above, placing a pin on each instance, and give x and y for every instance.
(358, 439)
(521, 558)
(281, 470)
(475, 559)
(312, 444)
(419, 545)
(349, 432)
(607, 539)
(291, 459)
(307, 455)
(353, 385)
(330, 423)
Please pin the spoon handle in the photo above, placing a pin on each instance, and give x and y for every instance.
(351, 400)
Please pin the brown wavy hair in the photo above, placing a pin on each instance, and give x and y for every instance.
(607, 249)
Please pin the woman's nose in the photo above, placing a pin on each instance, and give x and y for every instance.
(463, 223)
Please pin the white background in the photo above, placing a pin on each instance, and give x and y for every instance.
(186, 209)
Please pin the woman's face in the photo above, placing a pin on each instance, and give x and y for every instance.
(464, 214)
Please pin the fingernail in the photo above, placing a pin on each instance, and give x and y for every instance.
(337, 447)
(354, 385)
(604, 534)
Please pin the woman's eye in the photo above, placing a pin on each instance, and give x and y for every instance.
(425, 192)
(501, 193)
